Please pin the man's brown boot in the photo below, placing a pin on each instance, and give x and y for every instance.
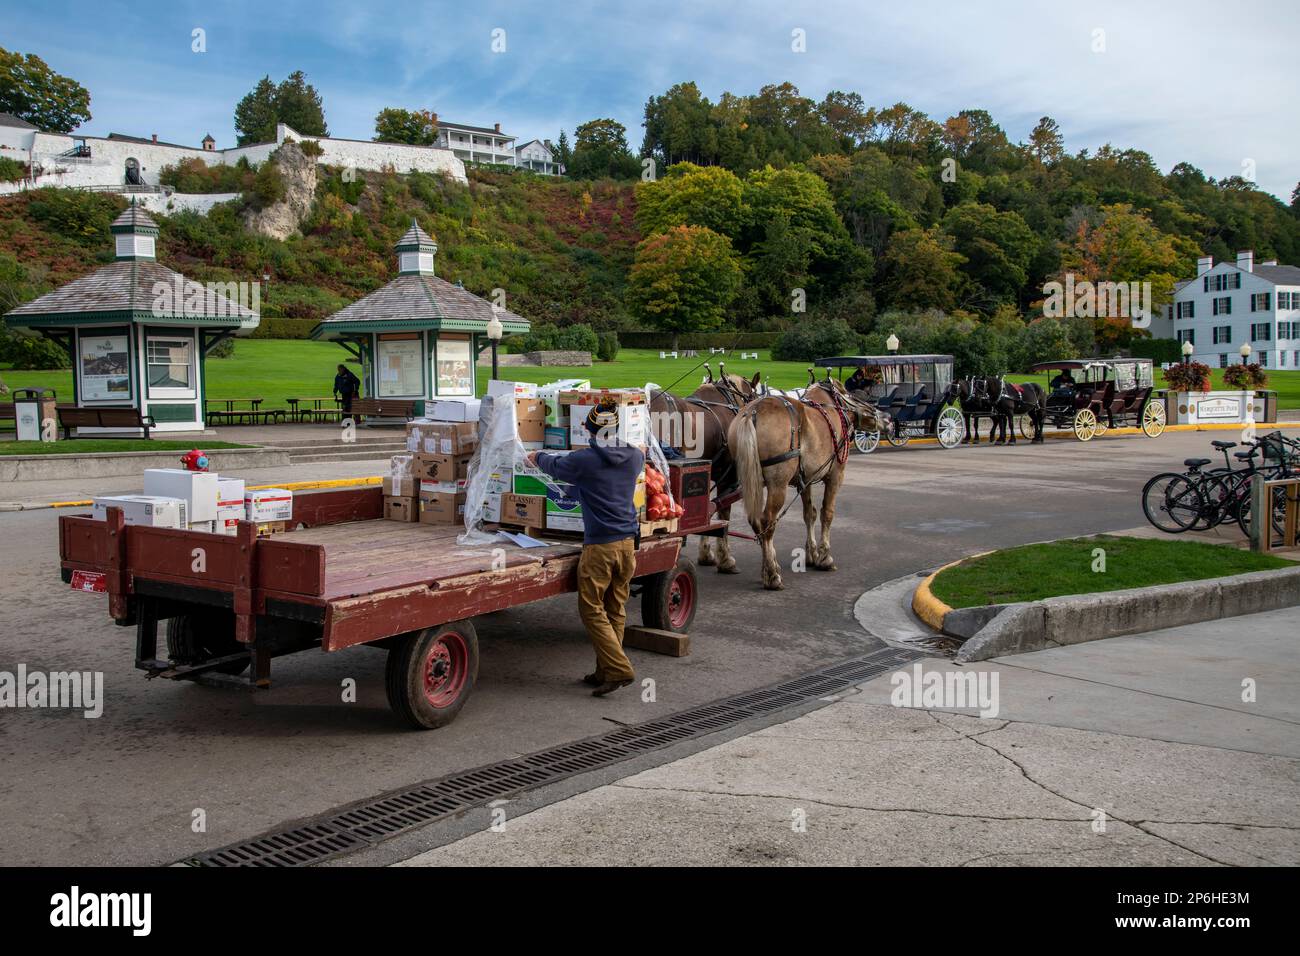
(593, 679)
(609, 687)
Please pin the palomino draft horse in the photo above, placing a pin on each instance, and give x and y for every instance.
(1001, 401)
(779, 442)
(712, 407)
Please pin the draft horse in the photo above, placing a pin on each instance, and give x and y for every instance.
(779, 443)
(710, 409)
(1001, 401)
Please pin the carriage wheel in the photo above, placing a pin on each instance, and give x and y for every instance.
(1025, 425)
(1085, 424)
(1153, 419)
(896, 438)
(668, 598)
(950, 429)
(1101, 425)
(866, 442)
(431, 673)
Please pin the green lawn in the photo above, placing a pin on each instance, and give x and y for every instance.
(1038, 571)
(276, 369)
(86, 446)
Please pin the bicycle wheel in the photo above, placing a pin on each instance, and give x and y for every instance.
(1172, 503)
(1219, 492)
(1278, 510)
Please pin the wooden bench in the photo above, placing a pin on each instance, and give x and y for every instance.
(70, 418)
(7, 415)
(384, 407)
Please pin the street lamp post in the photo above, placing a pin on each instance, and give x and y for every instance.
(1245, 352)
(891, 343)
(1188, 349)
(494, 333)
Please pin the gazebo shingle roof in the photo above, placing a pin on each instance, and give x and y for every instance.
(420, 300)
(126, 287)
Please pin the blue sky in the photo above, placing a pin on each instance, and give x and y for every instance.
(1212, 84)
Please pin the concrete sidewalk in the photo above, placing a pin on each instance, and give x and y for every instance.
(1130, 751)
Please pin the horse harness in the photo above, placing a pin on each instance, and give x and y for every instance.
(840, 453)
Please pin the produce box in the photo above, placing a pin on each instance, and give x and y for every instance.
(594, 396)
(401, 487)
(268, 504)
(399, 466)
(401, 508)
(230, 505)
(459, 486)
(556, 437)
(499, 387)
(633, 424)
(557, 413)
(197, 488)
(150, 510)
(442, 438)
(440, 467)
(530, 419)
(526, 510)
(442, 508)
(453, 409)
(498, 484)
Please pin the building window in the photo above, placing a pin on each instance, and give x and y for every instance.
(1259, 302)
(1234, 281)
(1281, 359)
(1186, 310)
(1223, 360)
(170, 371)
(1263, 359)
(1288, 300)
(1261, 332)
(1223, 305)
(1285, 330)
(1222, 334)
(1187, 335)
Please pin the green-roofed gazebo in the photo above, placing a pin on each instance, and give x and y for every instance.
(419, 336)
(137, 332)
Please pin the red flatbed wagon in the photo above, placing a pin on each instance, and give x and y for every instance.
(344, 576)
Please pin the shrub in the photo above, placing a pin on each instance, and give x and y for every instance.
(814, 340)
(546, 337)
(268, 185)
(1188, 377)
(312, 148)
(11, 170)
(577, 338)
(79, 215)
(1158, 351)
(222, 350)
(1245, 377)
(195, 176)
(607, 351)
(32, 352)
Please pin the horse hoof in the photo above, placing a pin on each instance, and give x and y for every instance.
(728, 567)
(825, 566)
(775, 584)
(705, 562)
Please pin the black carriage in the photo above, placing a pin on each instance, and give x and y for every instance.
(911, 390)
(1088, 396)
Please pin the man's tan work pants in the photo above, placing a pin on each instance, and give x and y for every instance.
(604, 579)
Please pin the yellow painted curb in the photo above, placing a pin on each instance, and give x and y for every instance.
(928, 607)
(287, 485)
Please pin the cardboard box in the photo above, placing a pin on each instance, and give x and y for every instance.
(526, 510)
(528, 480)
(563, 521)
(148, 510)
(197, 488)
(442, 508)
(453, 409)
(557, 413)
(530, 419)
(442, 438)
(633, 425)
(399, 466)
(230, 504)
(267, 505)
(401, 508)
(440, 467)
(556, 437)
(594, 396)
(499, 387)
(401, 487)
(460, 486)
(498, 484)
(207, 527)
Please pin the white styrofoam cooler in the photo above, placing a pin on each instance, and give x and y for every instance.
(150, 510)
(197, 488)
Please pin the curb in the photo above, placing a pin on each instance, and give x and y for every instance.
(287, 485)
(1121, 430)
(928, 607)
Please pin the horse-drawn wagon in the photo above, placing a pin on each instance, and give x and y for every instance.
(913, 390)
(1106, 393)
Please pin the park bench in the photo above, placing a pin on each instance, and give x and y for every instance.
(70, 418)
(227, 410)
(8, 419)
(384, 407)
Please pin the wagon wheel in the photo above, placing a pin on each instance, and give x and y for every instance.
(431, 673)
(950, 428)
(1153, 419)
(1101, 425)
(896, 437)
(1085, 424)
(866, 442)
(669, 598)
(1025, 425)
(195, 638)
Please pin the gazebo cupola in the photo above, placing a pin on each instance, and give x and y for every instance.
(415, 252)
(418, 336)
(135, 235)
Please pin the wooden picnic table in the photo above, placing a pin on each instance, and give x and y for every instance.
(315, 409)
(217, 409)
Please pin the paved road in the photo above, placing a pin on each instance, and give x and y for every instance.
(123, 788)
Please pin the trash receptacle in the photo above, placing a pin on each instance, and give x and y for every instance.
(33, 408)
(1265, 406)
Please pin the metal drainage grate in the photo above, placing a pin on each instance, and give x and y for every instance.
(375, 820)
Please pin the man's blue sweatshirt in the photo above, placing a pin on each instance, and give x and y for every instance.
(604, 478)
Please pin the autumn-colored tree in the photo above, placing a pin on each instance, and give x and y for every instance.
(921, 271)
(30, 90)
(682, 280)
(413, 127)
(691, 195)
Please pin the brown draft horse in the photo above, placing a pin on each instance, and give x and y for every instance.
(710, 409)
(779, 442)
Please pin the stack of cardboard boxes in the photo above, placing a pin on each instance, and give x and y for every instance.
(538, 502)
(428, 484)
(200, 501)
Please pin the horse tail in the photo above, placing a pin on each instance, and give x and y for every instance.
(744, 441)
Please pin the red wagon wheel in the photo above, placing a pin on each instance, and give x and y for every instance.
(431, 673)
(669, 598)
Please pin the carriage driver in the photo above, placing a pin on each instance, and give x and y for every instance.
(604, 477)
(1063, 381)
(859, 381)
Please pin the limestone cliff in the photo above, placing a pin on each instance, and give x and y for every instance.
(281, 219)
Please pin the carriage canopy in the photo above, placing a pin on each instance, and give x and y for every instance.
(932, 370)
(1125, 373)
